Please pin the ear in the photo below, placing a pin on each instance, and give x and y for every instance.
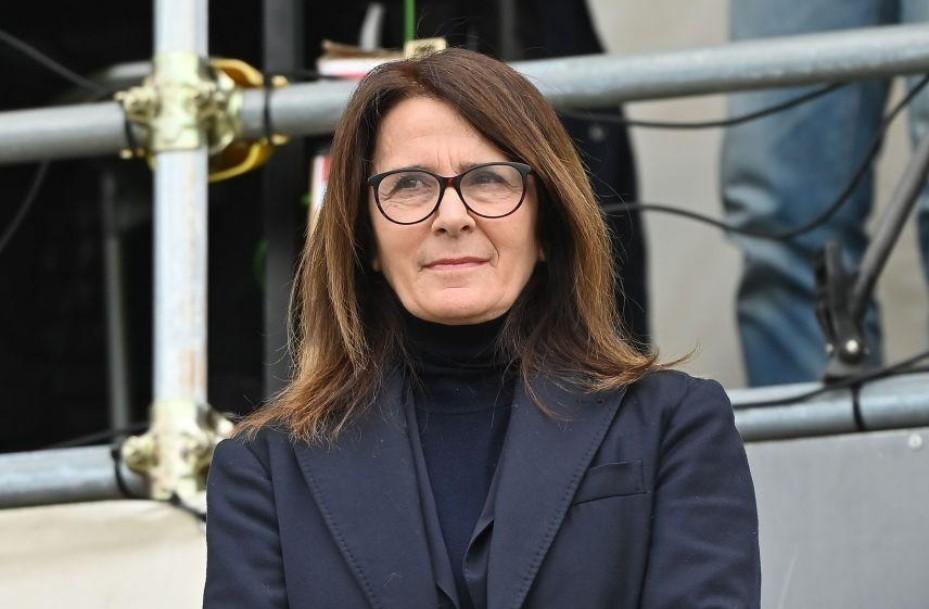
(541, 254)
(376, 263)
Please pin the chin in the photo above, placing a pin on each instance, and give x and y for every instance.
(461, 312)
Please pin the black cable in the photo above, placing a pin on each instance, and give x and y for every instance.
(105, 434)
(902, 367)
(822, 218)
(266, 124)
(712, 124)
(26, 205)
(177, 502)
(856, 408)
(41, 58)
(116, 453)
(132, 144)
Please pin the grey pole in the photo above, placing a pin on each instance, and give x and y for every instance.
(904, 199)
(180, 231)
(737, 66)
(605, 80)
(892, 403)
(59, 132)
(898, 402)
(831, 413)
(62, 476)
(115, 301)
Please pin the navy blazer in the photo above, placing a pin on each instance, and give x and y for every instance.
(639, 497)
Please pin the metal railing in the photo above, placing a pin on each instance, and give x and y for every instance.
(596, 80)
(313, 108)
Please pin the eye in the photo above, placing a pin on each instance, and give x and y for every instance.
(409, 181)
(486, 176)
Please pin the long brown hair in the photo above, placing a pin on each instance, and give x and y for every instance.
(346, 333)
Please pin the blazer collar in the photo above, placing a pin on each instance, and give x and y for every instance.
(366, 489)
(542, 464)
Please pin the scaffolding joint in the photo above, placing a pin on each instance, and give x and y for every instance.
(175, 453)
(186, 103)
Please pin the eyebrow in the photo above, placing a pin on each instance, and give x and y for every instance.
(461, 168)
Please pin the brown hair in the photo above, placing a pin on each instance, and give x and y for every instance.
(347, 334)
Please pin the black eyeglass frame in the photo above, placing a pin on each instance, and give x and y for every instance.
(455, 182)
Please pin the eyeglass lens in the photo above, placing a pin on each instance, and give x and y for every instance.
(490, 190)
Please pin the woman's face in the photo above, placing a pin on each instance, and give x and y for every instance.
(453, 267)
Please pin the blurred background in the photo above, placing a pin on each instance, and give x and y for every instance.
(53, 309)
(842, 516)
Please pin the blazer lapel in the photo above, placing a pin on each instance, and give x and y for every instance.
(366, 489)
(542, 464)
(441, 564)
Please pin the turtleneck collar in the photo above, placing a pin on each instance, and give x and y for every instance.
(471, 345)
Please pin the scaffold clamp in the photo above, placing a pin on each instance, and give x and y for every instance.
(175, 453)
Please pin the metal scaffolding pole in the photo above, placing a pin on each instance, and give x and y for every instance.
(63, 476)
(180, 230)
(46, 477)
(174, 104)
(595, 80)
(605, 80)
(61, 132)
(283, 182)
(114, 294)
(891, 403)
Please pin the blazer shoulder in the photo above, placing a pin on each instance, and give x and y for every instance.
(259, 445)
(676, 392)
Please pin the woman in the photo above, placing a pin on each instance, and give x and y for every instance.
(467, 427)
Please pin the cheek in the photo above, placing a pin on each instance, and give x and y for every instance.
(385, 239)
(526, 247)
(395, 248)
(519, 252)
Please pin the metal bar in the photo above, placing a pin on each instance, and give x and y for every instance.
(180, 275)
(113, 78)
(180, 232)
(507, 38)
(744, 65)
(888, 232)
(894, 403)
(595, 80)
(181, 25)
(63, 476)
(833, 413)
(891, 403)
(283, 184)
(606, 80)
(117, 341)
(83, 130)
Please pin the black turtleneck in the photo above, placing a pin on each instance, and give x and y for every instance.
(462, 399)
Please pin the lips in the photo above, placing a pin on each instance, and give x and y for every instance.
(448, 264)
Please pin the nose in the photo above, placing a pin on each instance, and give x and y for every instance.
(453, 216)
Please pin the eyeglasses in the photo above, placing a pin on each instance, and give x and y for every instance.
(489, 190)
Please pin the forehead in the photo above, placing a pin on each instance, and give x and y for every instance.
(430, 133)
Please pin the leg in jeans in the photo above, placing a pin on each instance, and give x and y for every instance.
(915, 11)
(782, 171)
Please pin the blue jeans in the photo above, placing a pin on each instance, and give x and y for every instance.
(782, 171)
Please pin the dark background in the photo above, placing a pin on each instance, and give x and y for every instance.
(53, 364)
